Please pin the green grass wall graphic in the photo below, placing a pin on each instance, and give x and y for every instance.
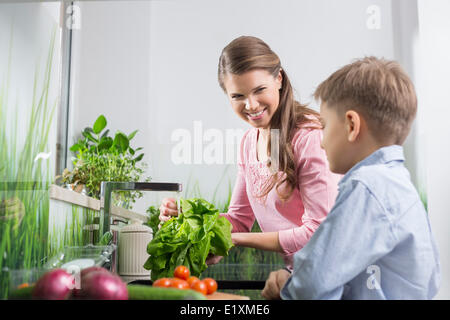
(24, 179)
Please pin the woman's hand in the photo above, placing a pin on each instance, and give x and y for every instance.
(274, 284)
(213, 259)
(168, 209)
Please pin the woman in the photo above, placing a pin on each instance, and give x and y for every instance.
(290, 190)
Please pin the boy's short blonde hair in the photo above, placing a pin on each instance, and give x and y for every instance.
(377, 88)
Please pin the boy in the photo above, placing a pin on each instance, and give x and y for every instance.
(376, 242)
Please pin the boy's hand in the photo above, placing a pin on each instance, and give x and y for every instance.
(274, 284)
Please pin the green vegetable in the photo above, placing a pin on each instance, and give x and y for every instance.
(21, 294)
(135, 292)
(188, 239)
(143, 292)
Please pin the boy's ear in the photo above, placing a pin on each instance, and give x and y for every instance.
(352, 125)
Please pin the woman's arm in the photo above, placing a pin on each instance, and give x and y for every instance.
(259, 240)
(240, 213)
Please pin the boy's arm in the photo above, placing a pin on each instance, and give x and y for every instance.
(355, 234)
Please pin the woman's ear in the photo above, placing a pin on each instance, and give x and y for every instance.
(279, 78)
(352, 125)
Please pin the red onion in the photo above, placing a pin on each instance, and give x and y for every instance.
(54, 285)
(86, 271)
(76, 292)
(100, 285)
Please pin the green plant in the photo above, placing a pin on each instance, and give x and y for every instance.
(96, 141)
(24, 178)
(100, 157)
(153, 219)
(188, 239)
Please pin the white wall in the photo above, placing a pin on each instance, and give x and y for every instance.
(153, 65)
(406, 37)
(433, 66)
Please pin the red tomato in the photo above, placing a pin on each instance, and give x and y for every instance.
(181, 272)
(200, 286)
(163, 282)
(191, 280)
(211, 285)
(179, 284)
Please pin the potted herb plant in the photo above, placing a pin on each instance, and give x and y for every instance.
(100, 157)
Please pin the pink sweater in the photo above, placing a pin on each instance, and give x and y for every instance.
(298, 218)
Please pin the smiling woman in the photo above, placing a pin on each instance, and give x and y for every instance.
(254, 96)
(288, 190)
(261, 94)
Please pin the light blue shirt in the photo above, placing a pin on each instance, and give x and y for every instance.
(376, 242)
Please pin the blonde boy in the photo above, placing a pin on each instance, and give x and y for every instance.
(376, 242)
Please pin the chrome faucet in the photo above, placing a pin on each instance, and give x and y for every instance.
(106, 190)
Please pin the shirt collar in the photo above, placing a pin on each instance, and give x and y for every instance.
(381, 156)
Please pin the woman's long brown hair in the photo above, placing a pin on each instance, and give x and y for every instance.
(249, 53)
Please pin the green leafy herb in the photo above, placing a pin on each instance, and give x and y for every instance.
(100, 157)
(153, 220)
(188, 239)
